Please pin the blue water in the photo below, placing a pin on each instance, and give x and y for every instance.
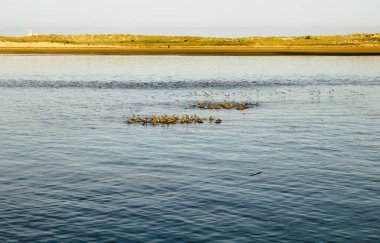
(72, 170)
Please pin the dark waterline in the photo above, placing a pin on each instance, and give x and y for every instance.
(72, 170)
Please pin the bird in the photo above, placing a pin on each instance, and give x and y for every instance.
(218, 121)
(258, 173)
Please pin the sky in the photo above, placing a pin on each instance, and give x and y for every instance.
(225, 18)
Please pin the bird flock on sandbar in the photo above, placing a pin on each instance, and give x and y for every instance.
(223, 105)
(189, 119)
(173, 119)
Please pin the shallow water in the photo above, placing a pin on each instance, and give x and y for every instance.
(71, 169)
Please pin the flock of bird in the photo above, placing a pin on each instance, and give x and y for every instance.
(186, 119)
(223, 105)
(209, 105)
(174, 119)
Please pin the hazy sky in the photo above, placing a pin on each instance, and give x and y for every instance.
(190, 17)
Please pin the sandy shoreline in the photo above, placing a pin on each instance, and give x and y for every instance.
(212, 51)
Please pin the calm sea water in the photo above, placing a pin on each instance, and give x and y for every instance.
(72, 170)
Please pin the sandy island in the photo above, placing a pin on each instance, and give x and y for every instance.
(116, 44)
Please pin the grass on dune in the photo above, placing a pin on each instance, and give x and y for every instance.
(194, 41)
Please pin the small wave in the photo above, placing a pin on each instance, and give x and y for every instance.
(180, 84)
(128, 85)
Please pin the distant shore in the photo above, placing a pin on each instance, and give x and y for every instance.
(117, 44)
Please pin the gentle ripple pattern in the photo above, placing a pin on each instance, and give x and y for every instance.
(72, 170)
